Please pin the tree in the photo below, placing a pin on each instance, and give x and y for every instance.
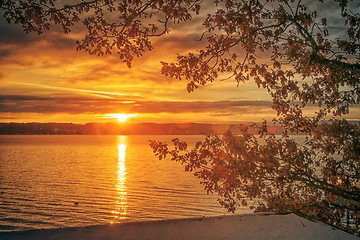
(309, 64)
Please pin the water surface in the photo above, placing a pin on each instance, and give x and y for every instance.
(68, 181)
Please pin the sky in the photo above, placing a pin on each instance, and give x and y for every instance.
(44, 79)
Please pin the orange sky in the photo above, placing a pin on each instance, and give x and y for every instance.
(44, 79)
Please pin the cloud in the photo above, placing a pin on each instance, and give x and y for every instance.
(196, 106)
(13, 34)
(104, 94)
(4, 52)
(15, 98)
(97, 105)
(28, 50)
(54, 54)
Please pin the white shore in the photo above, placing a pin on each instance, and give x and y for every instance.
(252, 226)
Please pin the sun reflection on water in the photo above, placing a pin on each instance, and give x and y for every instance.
(120, 211)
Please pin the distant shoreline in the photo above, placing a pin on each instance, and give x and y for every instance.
(125, 129)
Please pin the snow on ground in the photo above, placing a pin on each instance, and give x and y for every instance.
(252, 226)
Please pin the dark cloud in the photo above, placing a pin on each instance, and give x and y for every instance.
(198, 106)
(15, 98)
(39, 104)
(58, 40)
(4, 52)
(13, 34)
(14, 41)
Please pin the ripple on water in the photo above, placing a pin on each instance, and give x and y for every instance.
(111, 178)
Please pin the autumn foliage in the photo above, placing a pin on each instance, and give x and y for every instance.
(307, 60)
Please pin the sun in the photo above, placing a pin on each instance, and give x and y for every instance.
(121, 117)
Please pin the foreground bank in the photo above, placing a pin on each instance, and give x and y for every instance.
(252, 226)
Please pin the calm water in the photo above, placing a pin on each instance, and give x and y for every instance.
(67, 181)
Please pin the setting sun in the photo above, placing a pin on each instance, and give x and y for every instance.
(121, 117)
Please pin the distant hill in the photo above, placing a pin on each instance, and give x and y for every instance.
(121, 129)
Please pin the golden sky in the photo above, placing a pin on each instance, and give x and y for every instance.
(44, 79)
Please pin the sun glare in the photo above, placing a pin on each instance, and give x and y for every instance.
(121, 117)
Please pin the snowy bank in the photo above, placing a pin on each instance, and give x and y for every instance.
(252, 226)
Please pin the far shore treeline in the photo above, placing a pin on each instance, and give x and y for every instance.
(123, 129)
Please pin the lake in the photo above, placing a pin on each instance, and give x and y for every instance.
(56, 181)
